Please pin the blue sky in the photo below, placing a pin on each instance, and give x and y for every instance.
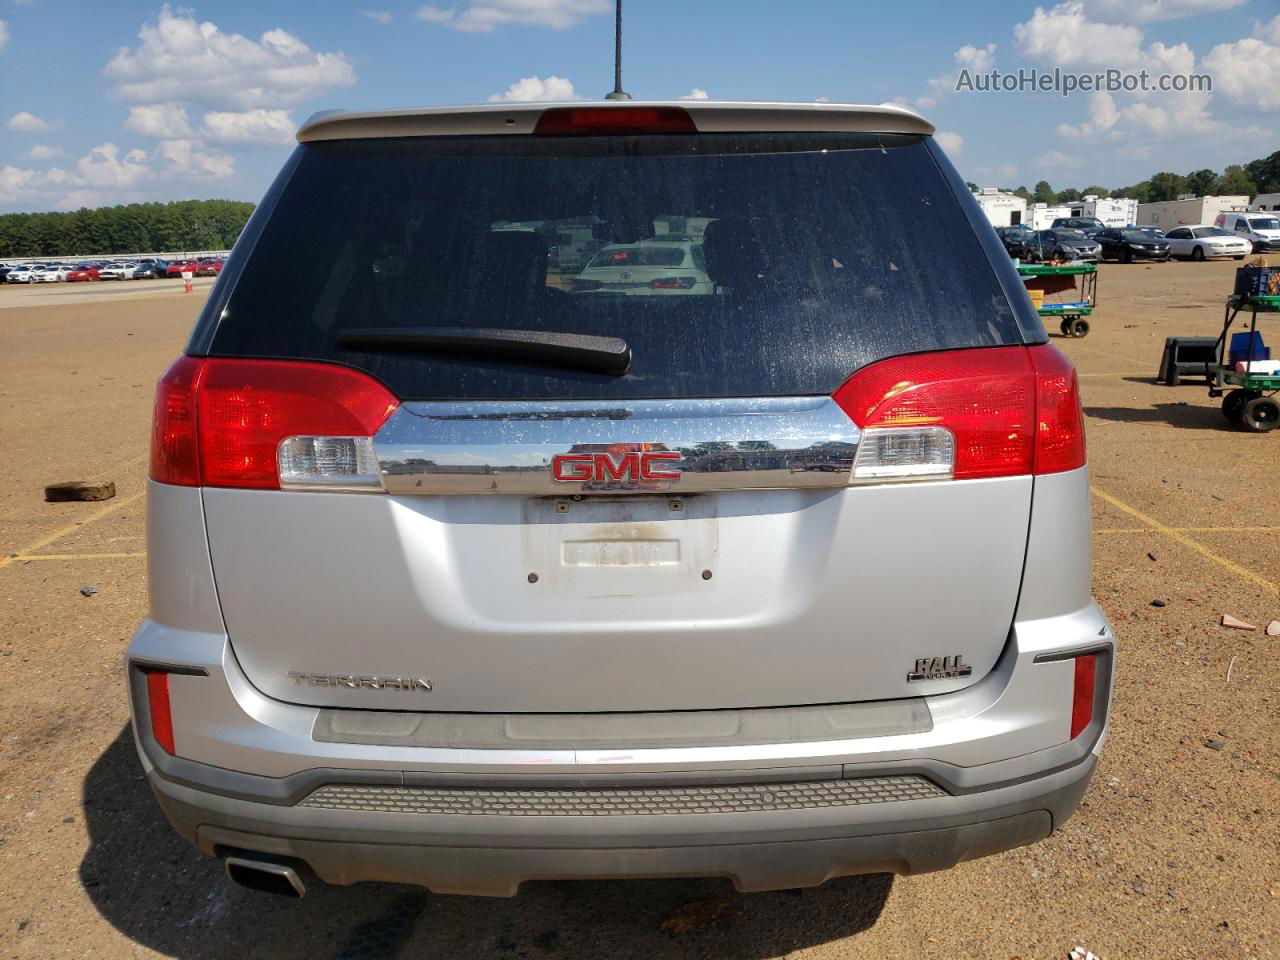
(105, 103)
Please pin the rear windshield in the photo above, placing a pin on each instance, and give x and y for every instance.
(795, 259)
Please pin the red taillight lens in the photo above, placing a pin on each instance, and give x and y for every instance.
(984, 397)
(174, 448)
(1011, 410)
(606, 121)
(1059, 419)
(158, 707)
(219, 422)
(1082, 693)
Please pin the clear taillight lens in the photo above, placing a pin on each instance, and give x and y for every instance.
(328, 463)
(908, 453)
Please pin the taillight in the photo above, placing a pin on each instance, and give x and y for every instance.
(174, 448)
(965, 414)
(1059, 418)
(267, 424)
(158, 707)
(606, 121)
(1082, 693)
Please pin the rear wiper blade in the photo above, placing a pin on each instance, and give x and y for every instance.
(583, 350)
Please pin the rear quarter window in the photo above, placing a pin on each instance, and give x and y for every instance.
(816, 254)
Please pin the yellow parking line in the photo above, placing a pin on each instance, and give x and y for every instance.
(23, 557)
(70, 528)
(1190, 529)
(1186, 541)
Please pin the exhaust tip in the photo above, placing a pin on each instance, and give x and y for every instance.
(265, 876)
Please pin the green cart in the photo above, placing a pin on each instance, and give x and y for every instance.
(1251, 402)
(1074, 306)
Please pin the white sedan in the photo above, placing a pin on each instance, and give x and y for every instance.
(648, 268)
(51, 273)
(1204, 242)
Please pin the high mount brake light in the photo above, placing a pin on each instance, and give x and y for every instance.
(966, 414)
(225, 423)
(608, 121)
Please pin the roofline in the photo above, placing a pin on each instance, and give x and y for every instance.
(709, 116)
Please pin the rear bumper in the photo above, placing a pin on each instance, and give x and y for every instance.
(761, 850)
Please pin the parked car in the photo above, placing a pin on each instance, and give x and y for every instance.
(1062, 243)
(646, 268)
(1018, 240)
(583, 607)
(21, 273)
(52, 273)
(1128, 244)
(176, 268)
(207, 267)
(83, 271)
(1262, 230)
(150, 269)
(117, 270)
(1086, 225)
(1205, 242)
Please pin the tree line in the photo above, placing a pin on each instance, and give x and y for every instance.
(132, 228)
(1243, 179)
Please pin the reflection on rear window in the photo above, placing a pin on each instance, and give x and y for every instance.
(732, 264)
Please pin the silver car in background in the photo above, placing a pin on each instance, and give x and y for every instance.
(462, 576)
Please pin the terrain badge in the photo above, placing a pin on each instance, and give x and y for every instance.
(940, 668)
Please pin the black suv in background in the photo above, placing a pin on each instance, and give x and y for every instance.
(1086, 225)
(1128, 244)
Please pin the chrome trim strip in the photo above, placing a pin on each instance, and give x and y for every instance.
(506, 447)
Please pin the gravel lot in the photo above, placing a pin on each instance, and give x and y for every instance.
(1175, 852)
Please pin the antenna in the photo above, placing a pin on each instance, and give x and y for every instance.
(617, 93)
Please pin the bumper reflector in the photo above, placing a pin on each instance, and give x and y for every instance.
(158, 703)
(1082, 695)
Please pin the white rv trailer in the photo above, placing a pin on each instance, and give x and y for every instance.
(1002, 209)
(1043, 214)
(1266, 201)
(1168, 214)
(1112, 211)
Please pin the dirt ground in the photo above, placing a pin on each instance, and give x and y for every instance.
(1174, 853)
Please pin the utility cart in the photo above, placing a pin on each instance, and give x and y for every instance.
(1248, 398)
(1070, 305)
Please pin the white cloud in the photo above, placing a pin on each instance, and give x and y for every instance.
(24, 122)
(104, 167)
(485, 15)
(1269, 32)
(1065, 36)
(950, 142)
(970, 58)
(1002, 174)
(378, 16)
(1149, 11)
(42, 151)
(179, 58)
(250, 126)
(1057, 160)
(159, 120)
(1248, 70)
(697, 93)
(1103, 115)
(823, 99)
(4, 35)
(189, 158)
(535, 88)
(107, 175)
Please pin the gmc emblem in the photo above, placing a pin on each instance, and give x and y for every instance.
(614, 468)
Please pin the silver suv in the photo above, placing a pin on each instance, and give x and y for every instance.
(462, 575)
